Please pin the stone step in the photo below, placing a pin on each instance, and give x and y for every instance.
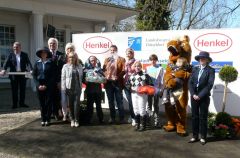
(5, 85)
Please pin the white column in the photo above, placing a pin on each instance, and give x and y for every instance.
(37, 30)
(36, 38)
(109, 26)
(68, 33)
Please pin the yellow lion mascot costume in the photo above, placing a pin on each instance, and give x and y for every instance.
(177, 114)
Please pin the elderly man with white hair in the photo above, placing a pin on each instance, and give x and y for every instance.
(58, 59)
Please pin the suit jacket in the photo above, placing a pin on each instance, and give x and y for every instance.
(59, 60)
(48, 74)
(11, 62)
(120, 69)
(205, 84)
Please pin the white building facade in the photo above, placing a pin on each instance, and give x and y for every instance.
(27, 21)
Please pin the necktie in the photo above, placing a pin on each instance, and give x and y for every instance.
(199, 75)
(54, 56)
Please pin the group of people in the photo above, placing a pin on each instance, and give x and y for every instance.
(59, 77)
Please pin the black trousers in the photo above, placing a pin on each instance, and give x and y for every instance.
(91, 99)
(199, 116)
(56, 104)
(153, 100)
(45, 99)
(18, 82)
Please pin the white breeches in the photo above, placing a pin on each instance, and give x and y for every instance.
(139, 103)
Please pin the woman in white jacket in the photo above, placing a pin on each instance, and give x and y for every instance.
(68, 48)
(71, 84)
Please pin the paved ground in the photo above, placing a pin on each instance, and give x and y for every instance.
(103, 141)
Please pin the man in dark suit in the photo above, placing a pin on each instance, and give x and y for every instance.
(200, 84)
(58, 59)
(17, 61)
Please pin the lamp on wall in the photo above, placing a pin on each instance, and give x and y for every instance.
(50, 31)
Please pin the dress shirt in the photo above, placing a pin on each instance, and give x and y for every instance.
(18, 67)
(200, 73)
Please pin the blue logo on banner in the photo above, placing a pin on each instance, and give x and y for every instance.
(216, 65)
(135, 43)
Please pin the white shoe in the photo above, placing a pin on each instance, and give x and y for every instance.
(64, 118)
(172, 101)
(203, 141)
(149, 113)
(76, 124)
(46, 123)
(72, 123)
(133, 122)
(130, 120)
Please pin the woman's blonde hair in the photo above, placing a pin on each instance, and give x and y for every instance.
(137, 63)
(129, 50)
(76, 62)
(69, 45)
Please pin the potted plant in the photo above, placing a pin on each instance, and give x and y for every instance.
(224, 127)
(227, 74)
(211, 122)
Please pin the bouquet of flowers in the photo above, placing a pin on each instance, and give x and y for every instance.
(236, 122)
(221, 131)
(95, 76)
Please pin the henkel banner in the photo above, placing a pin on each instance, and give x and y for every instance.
(222, 44)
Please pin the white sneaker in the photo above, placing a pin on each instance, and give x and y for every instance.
(46, 123)
(129, 119)
(76, 124)
(172, 101)
(149, 113)
(133, 122)
(64, 118)
(203, 141)
(72, 123)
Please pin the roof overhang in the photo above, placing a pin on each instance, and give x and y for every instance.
(83, 9)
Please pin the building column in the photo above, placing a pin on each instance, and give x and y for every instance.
(109, 26)
(36, 37)
(37, 30)
(68, 35)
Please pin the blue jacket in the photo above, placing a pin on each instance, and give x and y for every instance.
(48, 74)
(205, 84)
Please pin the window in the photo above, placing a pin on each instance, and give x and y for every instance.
(60, 35)
(7, 38)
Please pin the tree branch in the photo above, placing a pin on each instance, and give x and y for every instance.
(183, 14)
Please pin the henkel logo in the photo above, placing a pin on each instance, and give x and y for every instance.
(97, 45)
(213, 42)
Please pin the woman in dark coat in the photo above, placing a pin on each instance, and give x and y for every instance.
(44, 75)
(200, 84)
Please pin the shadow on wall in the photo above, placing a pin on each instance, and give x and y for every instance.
(232, 100)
